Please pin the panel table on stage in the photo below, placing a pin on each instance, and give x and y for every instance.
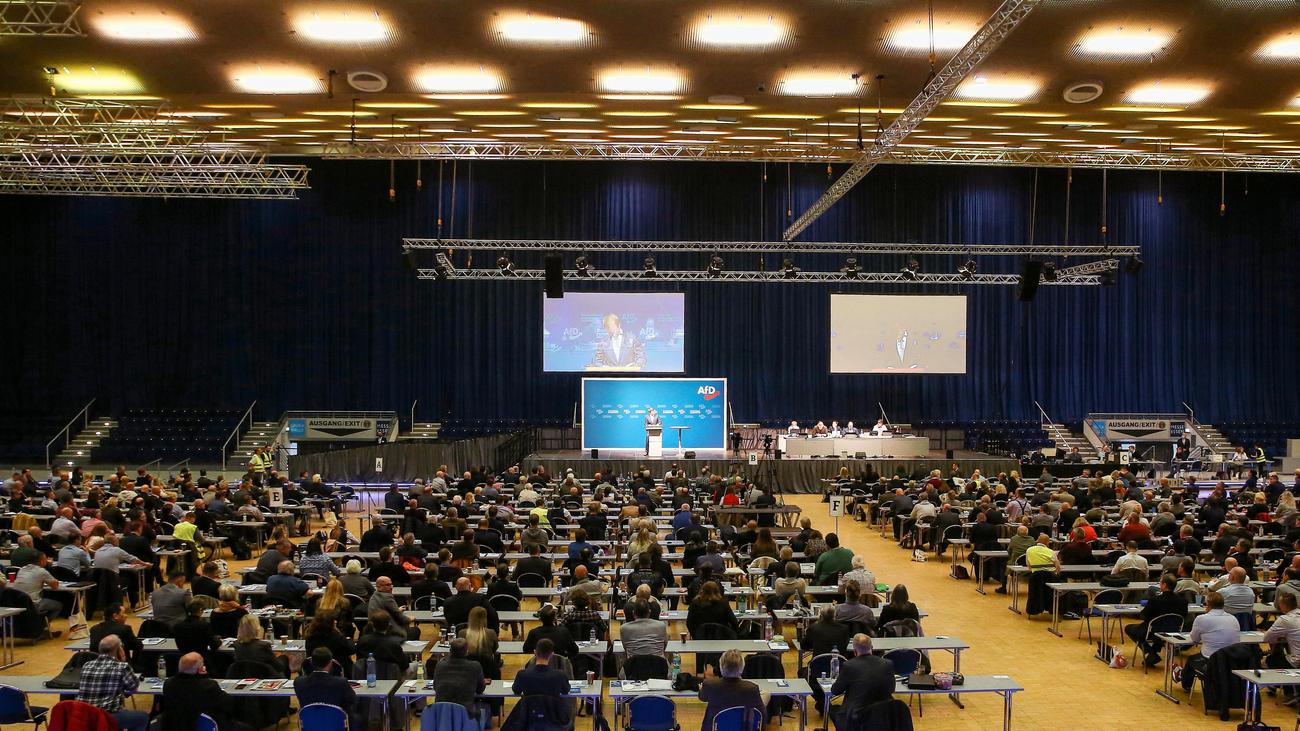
(869, 446)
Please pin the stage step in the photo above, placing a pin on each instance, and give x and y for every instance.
(422, 430)
(1215, 438)
(260, 434)
(1065, 439)
(78, 450)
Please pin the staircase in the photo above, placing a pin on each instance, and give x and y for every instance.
(1218, 443)
(78, 450)
(1065, 439)
(261, 434)
(423, 431)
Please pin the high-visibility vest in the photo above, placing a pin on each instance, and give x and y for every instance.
(257, 463)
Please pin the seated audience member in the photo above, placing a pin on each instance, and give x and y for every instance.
(643, 635)
(107, 681)
(194, 633)
(353, 582)
(898, 608)
(1213, 631)
(324, 631)
(250, 646)
(859, 575)
(457, 608)
(710, 607)
(208, 583)
(115, 624)
(169, 600)
(833, 562)
(826, 634)
(191, 692)
(1168, 601)
(285, 588)
(550, 629)
(864, 680)
(853, 610)
(317, 684)
(382, 600)
(314, 561)
(790, 587)
(388, 568)
(1284, 634)
(229, 611)
(482, 642)
(430, 585)
(382, 639)
(459, 679)
(730, 691)
(540, 678)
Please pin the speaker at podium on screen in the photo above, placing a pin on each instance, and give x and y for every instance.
(618, 350)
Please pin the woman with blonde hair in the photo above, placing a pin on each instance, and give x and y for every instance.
(228, 613)
(482, 642)
(333, 600)
(644, 539)
(250, 647)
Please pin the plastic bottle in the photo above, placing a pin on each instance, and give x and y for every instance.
(593, 635)
(162, 668)
(835, 662)
(419, 670)
(370, 671)
(677, 664)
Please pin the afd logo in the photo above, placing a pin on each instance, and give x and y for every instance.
(708, 392)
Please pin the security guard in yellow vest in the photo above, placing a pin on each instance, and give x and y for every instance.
(258, 464)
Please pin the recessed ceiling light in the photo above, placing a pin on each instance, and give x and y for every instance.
(640, 97)
(490, 113)
(519, 135)
(1140, 108)
(637, 137)
(783, 115)
(638, 114)
(398, 105)
(638, 126)
(1282, 47)
(740, 30)
(591, 140)
(282, 120)
(245, 126)
(275, 79)
(147, 25)
(1122, 42)
(1213, 127)
(196, 114)
(573, 131)
(506, 125)
(641, 81)
(914, 35)
(721, 107)
(752, 137)
(342, 26)
(1174, 92)
(340, 113)
(1026, 113)
(457, 79)
(819, 84)
(468, 97)
(540, 29)
(985, 103)
(240, 106)
(558, 105)
(996, 88)
(96, 79)
(426, 119)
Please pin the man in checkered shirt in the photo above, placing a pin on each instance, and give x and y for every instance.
(107, 680)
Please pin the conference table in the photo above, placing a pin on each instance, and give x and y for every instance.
(1256, 679)
(624, 691)
(849, 447)
(7, 615)
(1000, 685)
(1175, 641)
(417, 690)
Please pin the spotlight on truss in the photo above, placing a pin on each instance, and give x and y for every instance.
(582, 266)
(715, 266)
(504, 264)
(851, 269)
(442, 266)
(649, 267)
(788, 269)
(967, 270)
(1049, 271)
(909, 271)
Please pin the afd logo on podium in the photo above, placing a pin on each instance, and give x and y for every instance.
(614, 412)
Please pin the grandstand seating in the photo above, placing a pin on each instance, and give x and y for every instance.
(466, 428)
(1271, 436)
(172, 435)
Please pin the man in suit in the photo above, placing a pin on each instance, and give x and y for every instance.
(207, 584)
(652, 420)
(541, 678)
(458, 607)
(864, 680)
(320, 686)
(382, 639)
(115, 624)
(169, 600)
(382, 601)
(534, 564)
(619, 349)
(191, 692)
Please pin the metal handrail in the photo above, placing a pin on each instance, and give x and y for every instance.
(1191, 415)
(185, 462)
(66, 432)
(147, 465)
(225, 448)
(1046, 419)
(413, 403)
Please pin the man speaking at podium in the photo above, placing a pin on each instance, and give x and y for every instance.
(619, 350)
(652, 420)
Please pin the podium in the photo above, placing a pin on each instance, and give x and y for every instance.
(654, 436)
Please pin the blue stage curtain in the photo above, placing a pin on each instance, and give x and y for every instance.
(307, 304)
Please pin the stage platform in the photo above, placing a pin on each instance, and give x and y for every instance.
(794, 475)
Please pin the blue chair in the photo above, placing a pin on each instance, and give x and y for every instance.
(652, 713)
(737, 718)
(447, 715)
(323, 717)
(205, 723)
(905, 662)
(14, 708)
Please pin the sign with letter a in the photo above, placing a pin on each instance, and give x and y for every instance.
(379, 464)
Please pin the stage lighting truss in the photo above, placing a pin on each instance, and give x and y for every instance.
(779, 276)
(47, 18)
(770, 247)
(115, 148)
(815, 153)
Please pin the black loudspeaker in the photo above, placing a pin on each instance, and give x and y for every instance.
(859, 455)
(778, 454)
(1030, 273)
(689, 454)
(951, 454)
(554, 276)
(595, 453)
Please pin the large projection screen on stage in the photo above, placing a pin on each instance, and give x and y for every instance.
(614, 409)
(618, 332)
(890, 333)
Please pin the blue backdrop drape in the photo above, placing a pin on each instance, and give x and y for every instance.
(307, 304)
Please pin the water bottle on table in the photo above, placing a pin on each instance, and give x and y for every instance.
(162, 668)
(371, 676)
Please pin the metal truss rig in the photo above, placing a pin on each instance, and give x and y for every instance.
(765, 247)
(392, 150)
(776, 277)
(114, 148)
(986, 40)
(48, 18)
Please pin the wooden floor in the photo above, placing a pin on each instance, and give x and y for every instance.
(1065, 688)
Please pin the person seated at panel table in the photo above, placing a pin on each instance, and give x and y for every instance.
(864, 680)
(881, 429)
(820, 430)
(834, 430)
(850, 430)
(793, 430)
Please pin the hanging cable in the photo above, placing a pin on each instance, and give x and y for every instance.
(451, 226)
(933, 58)
(419, 175)
(353, 137)
(1069, 186)
(1033, 210)
(392, 164)
(762, 203)
(469, 200)
(1160, 181)
(880, 104)
(1104, 173)
(829, 170)
(440, 166)
(789, 194)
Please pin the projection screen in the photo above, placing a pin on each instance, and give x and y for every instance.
(898, 334)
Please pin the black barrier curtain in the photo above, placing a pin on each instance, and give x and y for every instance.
(306, 304)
